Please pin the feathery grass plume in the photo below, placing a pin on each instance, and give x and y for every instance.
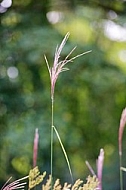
(66, 186)
(17, 184)
(77, 184)
(48, 184)
(35, 178)
(35, 147)
(54, 71)
(100, 162)
(120, 135)
(92, 183)
(57, 185)
(58, 66)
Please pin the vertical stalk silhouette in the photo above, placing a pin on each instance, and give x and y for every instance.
(54, 71)
(120, 135)
(52, 124)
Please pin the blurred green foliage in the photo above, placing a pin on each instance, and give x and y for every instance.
(88, 99)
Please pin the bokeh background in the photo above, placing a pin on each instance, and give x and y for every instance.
(88, 99)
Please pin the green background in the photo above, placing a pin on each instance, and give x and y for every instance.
(89, 98)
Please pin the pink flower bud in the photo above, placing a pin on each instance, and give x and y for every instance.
(121, 129)
(35, 148)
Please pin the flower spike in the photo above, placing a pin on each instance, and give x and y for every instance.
(100, 162)
(58, 66)
(121, 129)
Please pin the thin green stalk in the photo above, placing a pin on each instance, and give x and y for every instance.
(52, 142)
(61, 144)
(121, 174)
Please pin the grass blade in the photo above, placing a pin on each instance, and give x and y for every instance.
(64, 152)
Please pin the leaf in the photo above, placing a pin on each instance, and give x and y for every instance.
(64, 151)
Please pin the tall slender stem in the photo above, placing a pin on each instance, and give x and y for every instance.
(52, 142)
(121, 176)
(54, 71)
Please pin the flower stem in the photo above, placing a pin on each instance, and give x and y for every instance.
(52, 141)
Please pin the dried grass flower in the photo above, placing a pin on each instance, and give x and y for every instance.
(17, 184)
(58, 66)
